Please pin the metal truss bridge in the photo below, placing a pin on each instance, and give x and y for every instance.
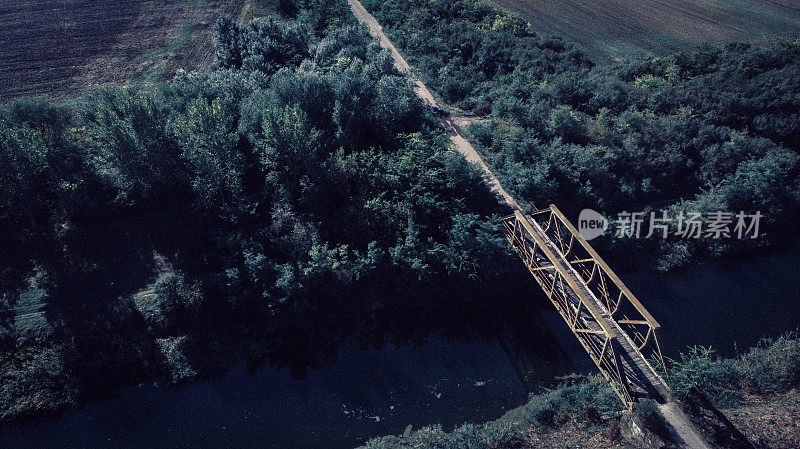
(610, 323)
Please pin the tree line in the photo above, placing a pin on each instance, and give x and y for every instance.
(714, 128)
(292, 195)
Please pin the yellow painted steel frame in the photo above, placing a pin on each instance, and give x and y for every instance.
(587, 322)
(621, 303)
(580, 313)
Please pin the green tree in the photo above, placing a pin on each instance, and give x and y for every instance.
(228, 44)
(128, 128)
(290, 150)
(208, 141)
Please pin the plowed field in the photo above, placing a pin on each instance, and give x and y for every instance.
(66, 47)
(612, 28)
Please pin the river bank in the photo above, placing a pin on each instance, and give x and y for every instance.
(750, 399)
(361, 393)
(440, 376)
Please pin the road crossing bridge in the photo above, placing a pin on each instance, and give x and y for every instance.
(611, 324)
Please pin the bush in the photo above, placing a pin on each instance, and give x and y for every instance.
(542, 411)
(771, 367)
(565, 402)
(178, 301)
(571, 400)
(702, 369)
(495, 435)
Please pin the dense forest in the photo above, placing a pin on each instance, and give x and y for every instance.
(298, 195)
(281, 202)
(708, 129)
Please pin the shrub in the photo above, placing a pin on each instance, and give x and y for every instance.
(700, 368)
(771, 367)
(495, 435)
(541, 412)
(178, 301)
(570, 400)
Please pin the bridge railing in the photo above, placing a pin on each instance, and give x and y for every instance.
(583, 317)
(623, 306)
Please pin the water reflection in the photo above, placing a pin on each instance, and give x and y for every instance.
(337, 382)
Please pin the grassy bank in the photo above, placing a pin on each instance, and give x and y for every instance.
(585, 412)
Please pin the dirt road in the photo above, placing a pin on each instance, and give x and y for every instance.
(459, 142)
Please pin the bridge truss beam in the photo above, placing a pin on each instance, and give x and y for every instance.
(588, 295)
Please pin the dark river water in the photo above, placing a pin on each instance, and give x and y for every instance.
(372, 392)
(727, 305)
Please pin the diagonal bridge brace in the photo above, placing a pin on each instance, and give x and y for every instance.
(589, 296)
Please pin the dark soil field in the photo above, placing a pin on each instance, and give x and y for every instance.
(609, 29)
(66, 47)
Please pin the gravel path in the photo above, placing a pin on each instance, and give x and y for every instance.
(447, 122)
